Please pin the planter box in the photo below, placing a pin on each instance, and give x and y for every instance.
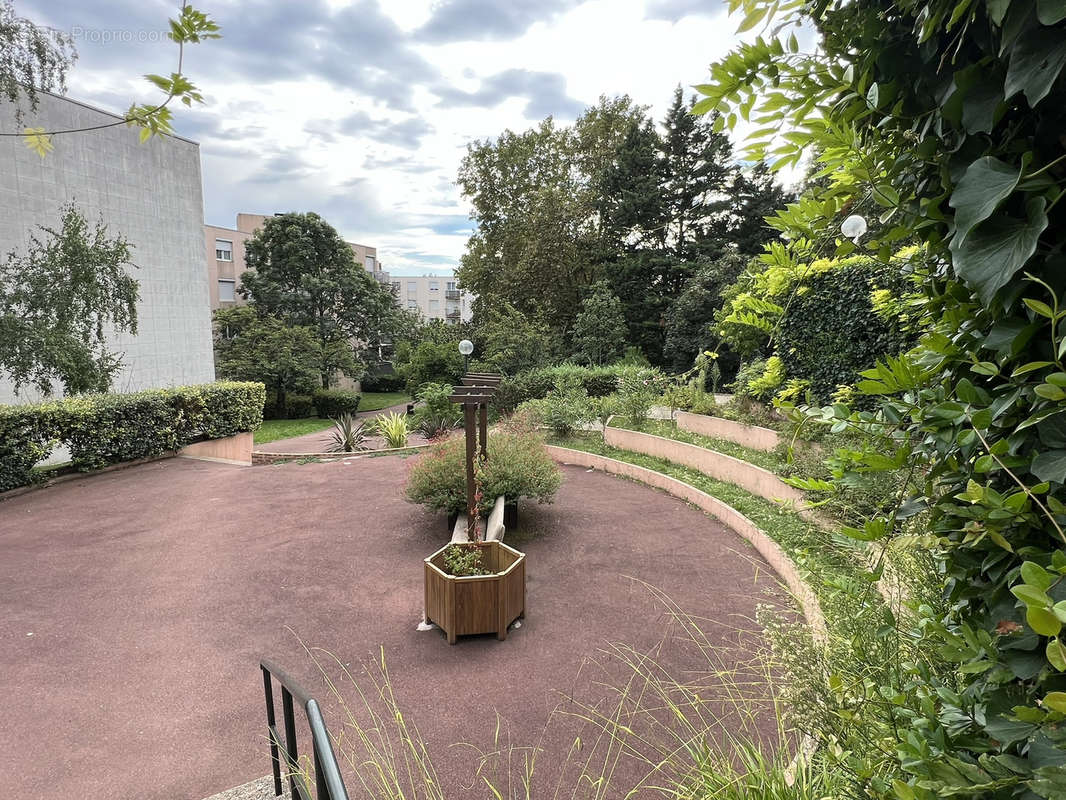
(479, 603)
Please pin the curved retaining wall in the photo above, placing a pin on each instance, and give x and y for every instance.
(713, 464)
(719, 428)
(770, 550)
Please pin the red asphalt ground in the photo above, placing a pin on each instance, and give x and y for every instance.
(136, 605)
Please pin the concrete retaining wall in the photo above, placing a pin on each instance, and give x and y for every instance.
(713, 464)
(729, 516)
(719, 428)
(230, 450)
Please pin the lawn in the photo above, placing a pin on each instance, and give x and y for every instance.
(375, 401)
(274, 429)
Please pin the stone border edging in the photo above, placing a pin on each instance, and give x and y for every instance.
(261, 457)
(753, 436)
(770, 550)
(747, 476)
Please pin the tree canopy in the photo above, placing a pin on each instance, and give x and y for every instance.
(60, 301)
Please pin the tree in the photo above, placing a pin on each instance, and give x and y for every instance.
(32, 58)
(756, 196)
(60, 301)
(689, 320)
(965, 158)
(600, 329)
(303, 273)
(286, 358)
(533, 222)
(512, 341)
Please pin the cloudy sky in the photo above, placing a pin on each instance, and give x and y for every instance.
(362, 110)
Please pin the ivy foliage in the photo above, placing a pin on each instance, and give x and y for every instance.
(825, 319)
(948, 116)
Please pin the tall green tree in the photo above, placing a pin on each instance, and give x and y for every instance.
(60, 301)
(303, 273)
(756, 196)
(512, 341)
(689, 321)
(533, 223)
(600, 329)
(286, 358)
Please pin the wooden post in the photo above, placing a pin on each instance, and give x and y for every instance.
(471, 453)
(483, 410)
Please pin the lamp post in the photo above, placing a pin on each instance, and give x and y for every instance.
(466, 347)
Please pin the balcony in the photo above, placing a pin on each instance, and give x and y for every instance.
(451, 294)
(454, 314)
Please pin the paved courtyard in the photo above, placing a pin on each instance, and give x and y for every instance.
(136, 605)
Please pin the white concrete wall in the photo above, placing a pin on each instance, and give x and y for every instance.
(151, 194)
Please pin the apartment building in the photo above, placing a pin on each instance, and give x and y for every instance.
(433, 297)
(225, 258)
(148, 192)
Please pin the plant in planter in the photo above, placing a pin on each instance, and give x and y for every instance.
(518, 465)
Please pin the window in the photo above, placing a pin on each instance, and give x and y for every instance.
(434, 286)
(412, 304)
(434, 305)
(412, 286)
(451, 286)
(227, 291)
(369, 263)
(223, 250)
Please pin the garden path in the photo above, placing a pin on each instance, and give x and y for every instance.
(137, 603)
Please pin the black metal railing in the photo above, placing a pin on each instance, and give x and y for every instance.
(328, 782)
(451, 294)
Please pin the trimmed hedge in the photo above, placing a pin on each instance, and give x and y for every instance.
(536, 383)
(382, 382)
(332, 403)
(297, 406)
(103, 429)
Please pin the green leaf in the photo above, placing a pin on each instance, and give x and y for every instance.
(997, 9)
(1035, 62)
(992, 254)
(1043, 309)
(1035, 575)
(1030, 367)
(986, 183)
(1050, 12)
(1056, 701)
(1043, 621)
(980, 105)
(753, 19)
(1050, 392)
(1056, 654)
(1031, 596)
(1050, 466)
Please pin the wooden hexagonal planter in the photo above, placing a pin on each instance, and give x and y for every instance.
(477, 603)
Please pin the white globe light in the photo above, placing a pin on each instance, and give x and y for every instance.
(854, 227)
(466, 347)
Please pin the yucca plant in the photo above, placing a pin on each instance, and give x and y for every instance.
(393, 428)
(348, 435)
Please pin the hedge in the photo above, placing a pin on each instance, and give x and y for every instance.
(103, 429)
(332, 403)
(297, 406)
(536, 383)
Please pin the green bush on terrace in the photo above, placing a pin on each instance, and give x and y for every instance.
(535, 384)
(103, 429)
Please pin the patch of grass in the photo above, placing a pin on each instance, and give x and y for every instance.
(375, 401)
(668, 429)
(274, 429)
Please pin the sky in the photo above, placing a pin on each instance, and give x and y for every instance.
(362, 111)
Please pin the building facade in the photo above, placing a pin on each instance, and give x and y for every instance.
(225, 258)
(151, 194)
(433, 297)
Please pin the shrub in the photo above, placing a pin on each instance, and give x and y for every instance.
(760, 379)
(437, 414)
(348, 435)
(382, 382)
(438, 362)
(536, 383)
(464, 560)
(297, 406)
(333, 403)
(27, 434)
(565, 407)
(104, 429)
(637, 391)
(393, 428)
(518, 466)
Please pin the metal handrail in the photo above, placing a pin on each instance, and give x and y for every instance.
(328, 782)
